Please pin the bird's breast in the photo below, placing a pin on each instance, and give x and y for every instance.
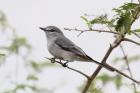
(58, 52)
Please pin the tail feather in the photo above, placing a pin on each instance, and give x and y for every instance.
(101, 64)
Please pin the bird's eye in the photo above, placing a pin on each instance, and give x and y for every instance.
(51, 30)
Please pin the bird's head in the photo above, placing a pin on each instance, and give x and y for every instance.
(51, 30)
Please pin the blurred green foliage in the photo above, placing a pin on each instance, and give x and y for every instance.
(92, 89)
(126, 15)
(13, 48)
(130, 59)
(3, 20)
(121, 23)
(117, 79)
(38, 66)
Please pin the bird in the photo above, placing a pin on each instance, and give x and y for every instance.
(64, 49)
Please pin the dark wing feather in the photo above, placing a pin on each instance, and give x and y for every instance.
(69, 46)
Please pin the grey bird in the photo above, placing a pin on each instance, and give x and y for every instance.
(64, 49)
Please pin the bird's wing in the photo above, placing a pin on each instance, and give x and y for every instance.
(69, 46)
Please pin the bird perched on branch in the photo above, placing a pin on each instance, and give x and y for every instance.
(64, 49)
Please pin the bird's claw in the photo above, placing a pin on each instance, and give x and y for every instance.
(65, 64)
(52, 60)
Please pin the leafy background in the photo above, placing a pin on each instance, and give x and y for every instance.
(23, 67)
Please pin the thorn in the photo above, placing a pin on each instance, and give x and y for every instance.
(110, 45)
(80, 33)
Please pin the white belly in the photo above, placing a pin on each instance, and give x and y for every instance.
(59, 53)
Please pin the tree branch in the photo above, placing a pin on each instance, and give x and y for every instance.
(111, 48)
(135, 34)
(115, 44)
(89, 78)
(129, 70)
(94, 30)
(66, 66)
(129, 40)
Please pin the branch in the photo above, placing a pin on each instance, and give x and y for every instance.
(111, 48)
(66, 66)
(114, 69)
(114, 45)
(129, 70)
(117, 42)
(94, 30)
(97, 30)
(135, 34)
(132, 41)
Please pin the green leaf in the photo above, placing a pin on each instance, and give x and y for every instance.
(87, 22)
(126, 15)
(85, 19)
(3, 20)
(100, 20)
(137, 30)
(134, 58)
(2, 55)
(103, 20)
(94, 89)
(17, 43)
(105, 78)
(38, 66)
(118, 81)
(32, 77)
(124, 24)
(20, 86)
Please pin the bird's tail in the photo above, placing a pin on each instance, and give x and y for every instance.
(101, 64)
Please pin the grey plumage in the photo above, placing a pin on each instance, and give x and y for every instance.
(62, 48)
(69, 46)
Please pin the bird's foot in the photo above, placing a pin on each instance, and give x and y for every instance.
(65, 64)
(52, 60)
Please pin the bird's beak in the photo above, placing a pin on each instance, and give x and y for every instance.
(42, 28)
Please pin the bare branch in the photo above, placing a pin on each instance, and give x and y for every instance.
(92, 30)
(135, 34)
(132, 41)
(129, 70)
(70, 68)
(99, 67)
(111, 48)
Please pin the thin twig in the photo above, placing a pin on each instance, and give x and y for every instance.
(129, 70)
(114, 69)
(132, 41)
(135, 34)
(94, 30)
(70, 68)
